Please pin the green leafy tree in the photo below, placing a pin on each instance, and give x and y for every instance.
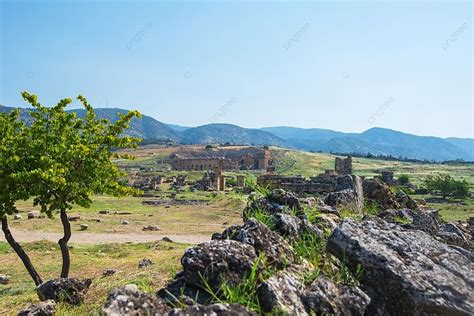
(445, 185)
(15, 165)
(74, 160)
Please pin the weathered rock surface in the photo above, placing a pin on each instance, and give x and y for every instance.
(33, 214)
(379, 192)
(180, 290)
(325, 297)
(214, 309)
(278, 201)
(273, 246)
(46, 308)
(128, 300)
(291, 227)
(70, 290)
(4, 279)
(218, 260)
(406, 201)
(406, 272)
(345, 197)
(282, 293)
(145, 262)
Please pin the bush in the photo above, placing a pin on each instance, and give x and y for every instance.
(403, 179)
(446, 186)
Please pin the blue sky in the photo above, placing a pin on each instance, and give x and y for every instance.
(347, 66)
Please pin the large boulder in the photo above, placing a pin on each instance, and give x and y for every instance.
(379, 192)
(46, 308)
(323, 297)
(277, 201)
(277, 251)
(405, 272)
(406, 201)
(178, 290)
(281, 293)
(68, 290)
(129, 300)
(292, 227)
(218, 261)
(344, 198)
(213, 309)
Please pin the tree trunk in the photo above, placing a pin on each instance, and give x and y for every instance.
(63, 244)
(20, 252)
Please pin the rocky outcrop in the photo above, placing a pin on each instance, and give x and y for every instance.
(46, 308)
(406, 201)
(405, 272)
(68, 290)
(278, 201)
(282, 293)
(216, 261)
(213, 309)
(326, 298)
(277, 251)
(377, 191)
(129, 300)
(291, 227)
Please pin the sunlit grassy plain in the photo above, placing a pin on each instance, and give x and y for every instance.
(210, 213)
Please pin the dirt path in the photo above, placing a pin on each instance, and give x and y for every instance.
(97, 238)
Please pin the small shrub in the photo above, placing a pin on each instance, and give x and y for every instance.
(403, 179)
(446, 186)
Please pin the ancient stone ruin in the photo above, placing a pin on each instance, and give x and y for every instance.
(213, 180)
(323, 183)
(246, 158)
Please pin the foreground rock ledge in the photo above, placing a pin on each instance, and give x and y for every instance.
(406, 272)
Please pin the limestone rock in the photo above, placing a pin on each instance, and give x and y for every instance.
(323, 297)
(83, 227)
(178, 289)
(377, 191)
(70, 290)
(214, 309)
(291, 227)
(33, 214)
(282, 293)
(218, 260)
(17, 217)
(151, 228)
(276, 249)
(46, 308)
(4, 279)
(406, 271)
(108, 272)
(129, 300)
(406, 201)
(145, 263)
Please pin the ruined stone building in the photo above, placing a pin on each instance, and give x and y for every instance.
(325, 182)
(245, 158)
(212, 180)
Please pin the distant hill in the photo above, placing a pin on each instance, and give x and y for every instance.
(146, 127)
(177, 128)
(466, 144)
(227, 133)
(377, 141)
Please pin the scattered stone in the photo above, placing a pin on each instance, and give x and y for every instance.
(122, 213)
(179, 291)
(125, 222)
(145, 263)
(129, 300)
(104, 212)
(108, 272)
(74, 218)
(84, 226)
(167, 239)
(46, 308)
(405, 271)
(344, 198)
(17, 217)
(282, 293)
(323, 297)
(291, 227)
(217, 261)
(69, 290)
(4, 279)
(96, 219)
(151, 228)
(167, 206)
(33, 214)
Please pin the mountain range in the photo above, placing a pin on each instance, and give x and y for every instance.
(377, 141)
